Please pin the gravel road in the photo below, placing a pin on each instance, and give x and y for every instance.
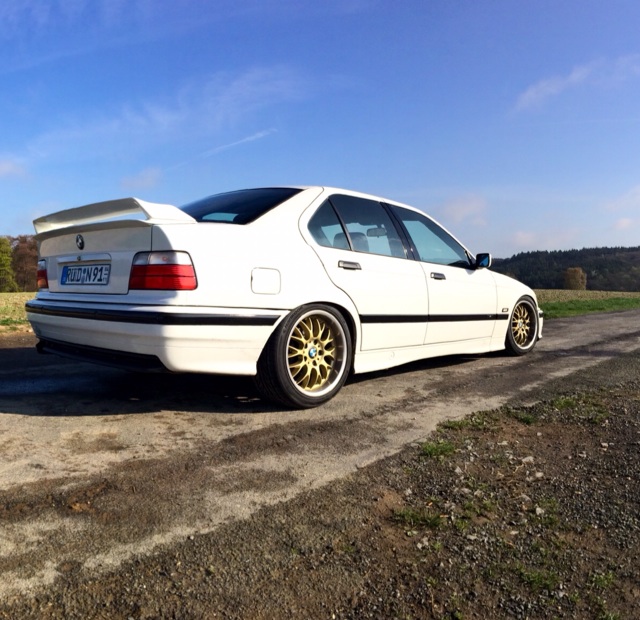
(127, 496)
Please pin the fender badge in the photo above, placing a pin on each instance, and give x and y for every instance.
(80, 242)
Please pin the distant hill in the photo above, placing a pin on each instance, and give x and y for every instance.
(607, 269)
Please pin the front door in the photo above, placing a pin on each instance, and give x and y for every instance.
(462, 298)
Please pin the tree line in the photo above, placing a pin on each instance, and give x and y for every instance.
(603, 269)
(18, 264)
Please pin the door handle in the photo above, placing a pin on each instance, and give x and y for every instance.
(346, 264)
(438, 276)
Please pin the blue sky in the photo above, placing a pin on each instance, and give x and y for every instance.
(515, 123)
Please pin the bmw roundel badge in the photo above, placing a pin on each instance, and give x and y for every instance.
(80, 242)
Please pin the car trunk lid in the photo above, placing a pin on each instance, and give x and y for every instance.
(90, 249)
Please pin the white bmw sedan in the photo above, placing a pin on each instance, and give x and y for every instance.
(297, 286)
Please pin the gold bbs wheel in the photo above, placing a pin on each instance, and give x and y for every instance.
(523, 327)
(307, 359)
(316, 347)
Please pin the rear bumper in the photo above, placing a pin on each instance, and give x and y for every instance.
(155, 338)
(105, 357)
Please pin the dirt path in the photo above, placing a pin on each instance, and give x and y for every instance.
(100, 468)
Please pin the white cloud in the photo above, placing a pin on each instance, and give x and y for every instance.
(625, 68)
(41, 32)
(629, 201)
(624, 223)
(545, 239)
(252, 138)
(627, 206)
(539, 92)
(11, 168)
(146, 179)
(601, 73)
(196, 112)
(252, 90)
(525, 240)
(28, 18)
(470, 209)
(22, 17)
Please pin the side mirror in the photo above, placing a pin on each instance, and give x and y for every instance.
(483, 261)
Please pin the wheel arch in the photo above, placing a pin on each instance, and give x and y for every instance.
(355, 332)
(293, 383)
(352, 323)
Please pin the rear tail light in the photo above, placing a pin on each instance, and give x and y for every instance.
(41, 275)
(167, 271)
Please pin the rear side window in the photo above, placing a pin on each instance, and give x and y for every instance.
(325, 227)
(240, 207)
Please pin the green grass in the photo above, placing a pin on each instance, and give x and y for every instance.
(562, 309)
(565, 402)
(479, 420)
(414, 517)
(437, 449)
(561, 303)
(588, 408)
(539, 580)
(602, 581)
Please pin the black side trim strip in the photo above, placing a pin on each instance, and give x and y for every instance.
(151, 318)
(460, 318)
(432, 318)
(393, 318)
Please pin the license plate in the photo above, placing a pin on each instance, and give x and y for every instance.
(86, 274)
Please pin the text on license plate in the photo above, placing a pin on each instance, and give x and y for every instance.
(85, 274)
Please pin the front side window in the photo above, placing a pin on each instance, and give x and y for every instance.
(369, 227)
(433, 243)
(240, 207)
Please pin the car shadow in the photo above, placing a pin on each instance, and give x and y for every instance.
(433, 363)
(48, 385)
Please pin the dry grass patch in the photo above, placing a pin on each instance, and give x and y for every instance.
(553, 295)
(12, 313)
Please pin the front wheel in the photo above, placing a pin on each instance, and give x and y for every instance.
(522, 333)
(307, 359)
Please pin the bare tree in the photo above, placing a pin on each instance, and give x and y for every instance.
(25, 262)
(575, 279)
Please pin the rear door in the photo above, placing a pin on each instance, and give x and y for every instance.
(363, 255)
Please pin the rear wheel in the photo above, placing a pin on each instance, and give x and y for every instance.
(307, 359)
(522, 334)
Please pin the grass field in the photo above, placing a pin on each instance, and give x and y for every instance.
(12, 314)
(561, 303)
(555, 303)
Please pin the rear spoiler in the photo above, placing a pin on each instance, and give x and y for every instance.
(111, 210)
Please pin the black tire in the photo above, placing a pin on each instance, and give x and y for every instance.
(522, 333)
(307, 359)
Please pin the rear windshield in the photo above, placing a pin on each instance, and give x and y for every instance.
(240, 207)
